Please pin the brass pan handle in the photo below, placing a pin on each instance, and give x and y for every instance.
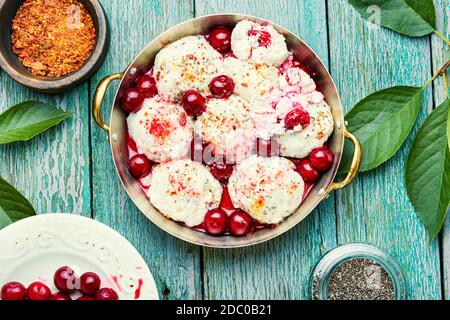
(356, 162)
(98, 99)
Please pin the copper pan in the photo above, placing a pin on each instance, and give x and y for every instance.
(117, 135)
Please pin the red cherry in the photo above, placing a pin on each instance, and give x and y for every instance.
(89, 283)
(298, 116)
(220, 39)
(59, 296)
(221, 171)
(268, 148)
(85, 298)
(65, 279)
(130, 142)
(264, 37)
(221, 87)
(306, 170)
(106, 294)
(215, 222)
(13, 291)
(240, 223)
(193, 103)
(139, 166)
(132, 100)
(321, 159)
(38, 291)
(147, 86)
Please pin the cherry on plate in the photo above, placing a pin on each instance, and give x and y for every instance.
(59, 296)
(221, 87)
(321, 158)
(85, 298)
(65, 279)
(38, 291)
(146, 85)
(221, 170)
(193, 103)
(139, 166)
(298, 116)
(240, 224)
(13, 291)
(132, 100)
(106, 294)
(307, 171)
(215, 222)
(89, 283)
(220, 39)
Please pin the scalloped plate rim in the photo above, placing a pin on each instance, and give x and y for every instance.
(53, 234)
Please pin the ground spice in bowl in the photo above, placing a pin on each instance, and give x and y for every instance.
(53, 38)
(360, 279)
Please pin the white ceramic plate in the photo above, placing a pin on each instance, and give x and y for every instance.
(34, 248)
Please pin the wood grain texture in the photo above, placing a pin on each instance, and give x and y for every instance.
(278, 269)
(375, 209)
(51, 170)
(174, 264)
(439, 48)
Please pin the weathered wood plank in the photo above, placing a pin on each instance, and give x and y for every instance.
(375, 209)
(439, 48)
(52, 170)
(175, 264)
(280, 268)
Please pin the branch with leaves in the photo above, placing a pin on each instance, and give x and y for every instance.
(384, 120)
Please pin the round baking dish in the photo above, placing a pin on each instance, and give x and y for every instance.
(14, 68)
(117, 132)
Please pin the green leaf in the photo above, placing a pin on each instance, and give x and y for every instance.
(413, 18)
(13, 204)
(448, 128)
(27, 119)
(447, 76)
(428, 171)
(4, 219)
(382, 122)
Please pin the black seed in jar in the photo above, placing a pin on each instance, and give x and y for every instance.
(360, 279)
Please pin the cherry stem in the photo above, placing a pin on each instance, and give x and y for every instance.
(441, 35)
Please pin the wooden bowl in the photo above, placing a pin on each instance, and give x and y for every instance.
(12, 66)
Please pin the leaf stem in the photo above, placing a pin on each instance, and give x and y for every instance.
(442, 36)
(444, 78)
(440, 73)
(434, 77)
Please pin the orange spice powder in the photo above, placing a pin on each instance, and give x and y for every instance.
(53, 38)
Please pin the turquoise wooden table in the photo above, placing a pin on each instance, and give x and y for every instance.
(70, 169)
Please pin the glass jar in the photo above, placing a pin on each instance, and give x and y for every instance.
(336, 257)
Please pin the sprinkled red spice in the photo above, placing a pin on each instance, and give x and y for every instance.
(159, 128)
